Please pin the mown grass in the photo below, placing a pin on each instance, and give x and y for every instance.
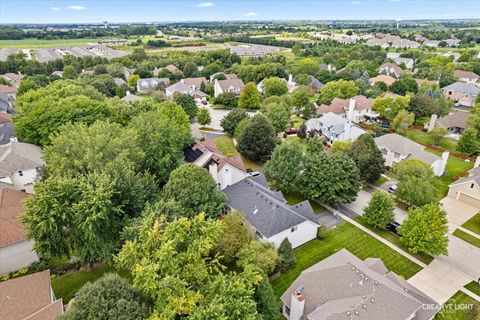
(423, 138)
(456, 312)
(467, 238)
(474, 287)
(226, 146)
(295, 197)
(351, 238)
(473, 224)
(65, 286)
(380, 181)
(41, 43)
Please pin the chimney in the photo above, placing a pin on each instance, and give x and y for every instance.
(351, 109)
(227, 178)
(444, 162)
(127, 92)
(297, 304)
(477, 162)
(290, 79)
(431, 124)
(346, 130)
(212, 168)
(182, 80)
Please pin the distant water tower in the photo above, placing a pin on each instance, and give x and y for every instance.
(105, 23)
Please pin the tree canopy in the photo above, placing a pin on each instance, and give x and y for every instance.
(257, 140)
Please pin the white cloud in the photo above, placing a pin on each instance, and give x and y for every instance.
(55, 8)
(355, 2)
(76, 8)
(251, 14)
(205, 5)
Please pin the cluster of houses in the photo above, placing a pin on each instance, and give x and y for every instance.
(387, 40)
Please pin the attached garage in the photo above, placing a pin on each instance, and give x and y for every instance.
(468, 199)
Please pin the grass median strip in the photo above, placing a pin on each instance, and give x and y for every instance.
(467, 238)
(473, 224)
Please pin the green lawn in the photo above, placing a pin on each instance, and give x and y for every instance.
(226, 146)
(380, 181)
(474, 287)
(294, 198)
(297, 121)
(454, 167)
(473, 224)
(393, 238)
(40, 43)
(466, 237)
(458, 300)
(353, 239)
(423, 138)
(65, 286)
(302, 142)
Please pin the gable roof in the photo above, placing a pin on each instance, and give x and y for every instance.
(7, 89)
(235, 83)
(457, 119)
(204, 153)
(465, 74)
(266, 209)
(474, 178)
(315, 83)
(131, 97)
(197, 82)
(148, 83)
(179, 87)
(388, 80)
(29, 297)
(397, 143)
(11, 208)
(17, 156)
(466, 88)
(342, 287)
(392, 66)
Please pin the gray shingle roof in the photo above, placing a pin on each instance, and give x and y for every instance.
(466, 88)
(266, 209)
(17, 156)
(343, 285)
(424, 156)
(474, 178)
(397, 143)
(457, 119)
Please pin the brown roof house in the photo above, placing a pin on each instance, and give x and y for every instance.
(13, 78)
(464, 94)
(360, 108)
(19, 164)
(195, 83)
(29, 298)
(391, 69)
(224, 170)
(388, 80)
(466, 76)
(228, 86)
(455, 122)
(343, 286)
(15, 250)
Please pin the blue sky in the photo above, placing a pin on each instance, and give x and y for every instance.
(83, 11)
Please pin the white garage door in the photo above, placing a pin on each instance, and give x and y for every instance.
(469, 200)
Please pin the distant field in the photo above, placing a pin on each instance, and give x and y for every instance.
(36, 43)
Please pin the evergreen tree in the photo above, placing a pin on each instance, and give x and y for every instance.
(286, 258)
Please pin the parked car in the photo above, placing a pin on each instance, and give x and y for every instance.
(291, 131)
(392, 188)
(393, 227)
(252, 173)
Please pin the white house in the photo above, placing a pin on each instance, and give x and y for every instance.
(178, 88)
(228, 86)
(267, 212)
(467, 189)
(360, 108)
(224, 170)
(396, 148)
(19, 164)
(334, 128)
(150, 84)
(16, 251)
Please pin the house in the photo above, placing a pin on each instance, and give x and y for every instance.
(19, 164)
(10, 91)
(225, 170)
(119, 82)
(465, 94)
(291, 84)
(173, 69)
(29, 298)
(431, 43)
(452, 42)
(150, 84)
(199, 96)
(393, 55)
(334, 128)
(16, 251)
(396, 148)
(128, 72)
(407, 61)
(467, 189)
(58, 74)
(343, 286)
(129, 97)
(194, 83)
(387, 79)
(455, 122)
(228, 86)
(391, 69)
(315, 84)
(359, 106)
(228, 76)
(466, 76)
(269, 215)
(178, 88)
(13, 78)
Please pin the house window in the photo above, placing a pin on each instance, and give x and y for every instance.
(293, 229)
(396, 155)
(20, 173)
(384, 151)
(472, 186)
(287, 310)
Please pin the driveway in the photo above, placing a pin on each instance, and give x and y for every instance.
(463, 256)
(217, 116)
(457, 212)
(362, 201)
(439, 281)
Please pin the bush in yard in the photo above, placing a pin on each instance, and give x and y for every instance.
(286, 258)
(110, 297)
(230, 122)
(261, 255)
(402, 121)
(367, 157)
(203, 117)
(322, 233)
(425, 230)
(257, 140)
(379, 212)
(229, 100)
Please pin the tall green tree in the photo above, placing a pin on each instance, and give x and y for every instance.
(301, 102)
(119, 301)
(249, 97)
(283, 169)
(278, 116)
(402, 121)
(203, 117)
(367, 157)
(69, 73)
(189, 69)
(230, 122)
(379, 212)
(261, 255)
(194, 189)
(425, 230)
(469, 143)
(338, 89)
(274, 87)
(257, 139)
(437, 135)
(188, 104)
(286, 257)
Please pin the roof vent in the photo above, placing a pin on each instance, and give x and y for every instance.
(364, 306)
(299, 290)
(349, 313)
(406, 290)
(255, 211)
(356, 312)
(366, 278)
(375, 282)
(351, 306)
(372, 300)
